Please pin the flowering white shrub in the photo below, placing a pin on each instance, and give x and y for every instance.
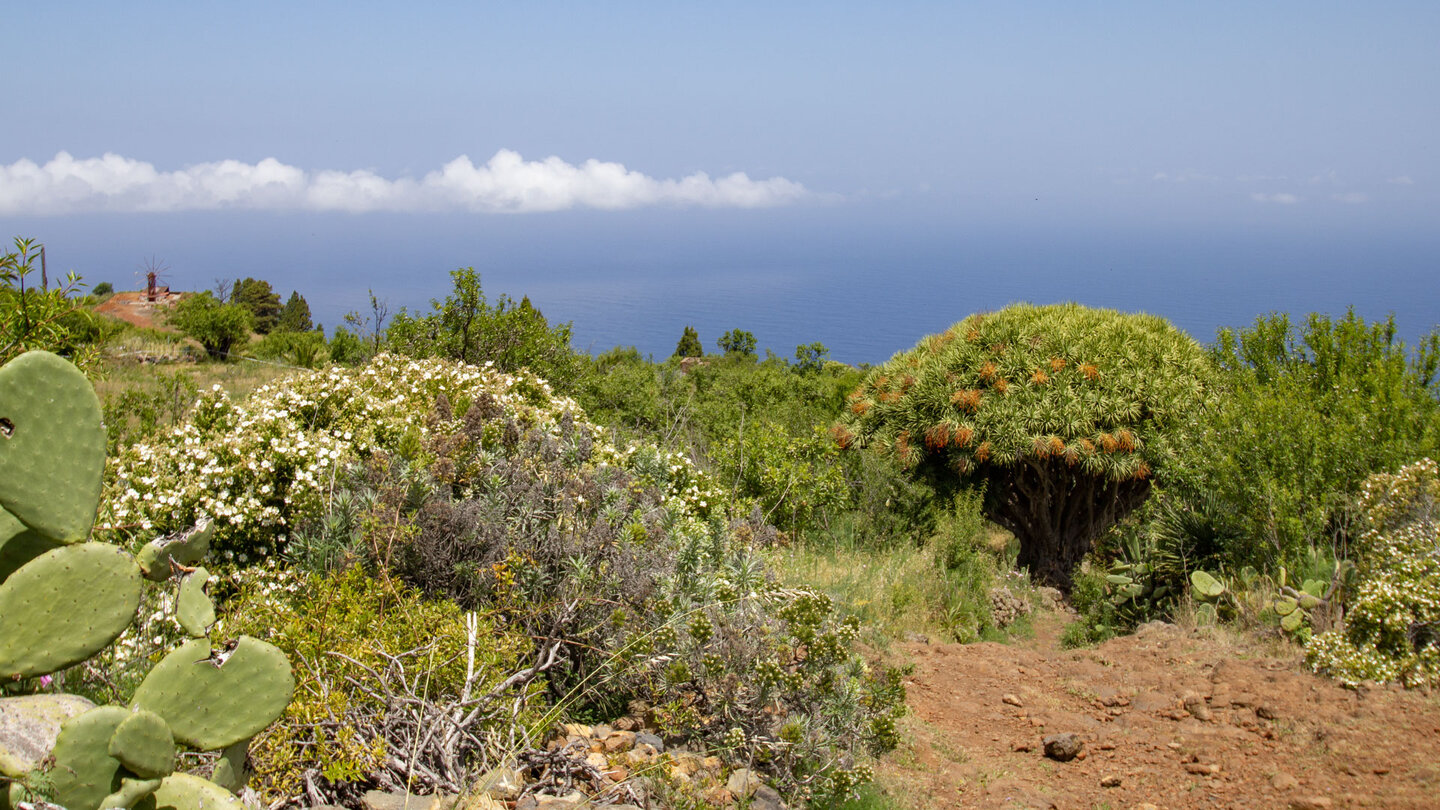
(259, 468)
(1392, 630)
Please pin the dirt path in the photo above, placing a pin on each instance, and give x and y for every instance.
(1263, 733)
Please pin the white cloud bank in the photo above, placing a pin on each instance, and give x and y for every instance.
(507, 183)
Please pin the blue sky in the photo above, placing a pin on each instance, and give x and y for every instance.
(905, 121)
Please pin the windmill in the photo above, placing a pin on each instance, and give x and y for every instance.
(153, 269)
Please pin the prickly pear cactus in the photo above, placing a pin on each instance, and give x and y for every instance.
(52, 446)
(84, 772)
(232, 769)
(19, 544)
(213, 697)
(181, 791)
(143, 743)
(160, 557)
(63, 599)
(64, 606)
(193, 608)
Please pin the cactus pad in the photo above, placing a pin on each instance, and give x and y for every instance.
(64, 606)
(193, 608)
(52, 446)
(131, 792)
(143, 743)
(185, 548)
(19, 544)
(1206, 587)
(232, 769)
(1293, 620)
(84, 772)
(181, 791)
(213, 698)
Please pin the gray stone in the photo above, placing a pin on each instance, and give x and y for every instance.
(646, 738)
(1063, 747)
(766, 798)
(574, 801)
(743, 782)
(28, 727)
(381, 800)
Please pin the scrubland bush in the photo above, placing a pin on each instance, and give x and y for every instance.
(633, 577)
(1392, 628)
(305, 349)
(1304, 414)
(343, 629)
(639, 586)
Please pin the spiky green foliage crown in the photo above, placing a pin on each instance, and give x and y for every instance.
(1099, 389)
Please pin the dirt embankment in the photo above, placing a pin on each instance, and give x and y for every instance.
(1169, 719)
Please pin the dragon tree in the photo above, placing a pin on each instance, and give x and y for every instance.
(1061, 413)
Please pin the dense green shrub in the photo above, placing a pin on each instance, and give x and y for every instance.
(218, 327)
(1062, 413)
(342, 628)
(466, 327)
(737, 342)
(794, 479)
(50, 318)
(729, 413)
(302, 349)
(1392, 628)
(346, 348)
(1304, 415)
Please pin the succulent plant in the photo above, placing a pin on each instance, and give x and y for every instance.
(52, 456)
(63, 599)
(64, 606)
(1207, 587)
(215, 697)
(193, 608)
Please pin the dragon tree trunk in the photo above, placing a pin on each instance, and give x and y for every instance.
(1056, 511)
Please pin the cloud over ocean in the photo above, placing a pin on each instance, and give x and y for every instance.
(507, 183)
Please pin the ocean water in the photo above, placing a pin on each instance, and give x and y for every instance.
(864, 284)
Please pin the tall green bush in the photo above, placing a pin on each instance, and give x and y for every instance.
(468, 328)
(260, 300)
(1305, 414)
(689, 345)
(218, 327)
(34, 316)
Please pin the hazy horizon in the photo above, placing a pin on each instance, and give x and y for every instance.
(850, 174)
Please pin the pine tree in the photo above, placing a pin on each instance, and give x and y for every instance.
(295, 315)
(262, 301)
(689, 345)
